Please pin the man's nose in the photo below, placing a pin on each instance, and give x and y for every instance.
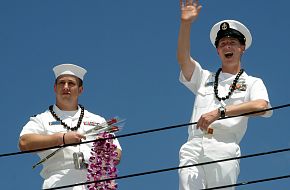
(228, 45)
(65, 86)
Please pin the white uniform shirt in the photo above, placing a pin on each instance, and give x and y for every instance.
(201, 84)
(43, 124)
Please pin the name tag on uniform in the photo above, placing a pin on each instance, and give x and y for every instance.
(54, 123)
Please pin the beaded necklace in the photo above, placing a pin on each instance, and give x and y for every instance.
(232, 87)
(63, 123)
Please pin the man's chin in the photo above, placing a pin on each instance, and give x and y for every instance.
(65, 95)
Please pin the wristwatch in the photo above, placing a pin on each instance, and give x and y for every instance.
(222, 111)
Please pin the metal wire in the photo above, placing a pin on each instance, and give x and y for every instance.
(142, 132)
(187, 166)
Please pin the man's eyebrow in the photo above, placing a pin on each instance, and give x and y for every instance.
(64, 80)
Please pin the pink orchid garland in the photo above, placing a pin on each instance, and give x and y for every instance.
(102, 164)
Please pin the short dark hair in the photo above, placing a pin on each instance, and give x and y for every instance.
(80, 81)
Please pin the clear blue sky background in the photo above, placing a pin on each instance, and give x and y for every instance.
(129, 50)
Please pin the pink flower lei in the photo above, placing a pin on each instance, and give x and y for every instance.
(102, 164)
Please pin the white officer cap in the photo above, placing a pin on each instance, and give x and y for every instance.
(69, 69)
(230, 28)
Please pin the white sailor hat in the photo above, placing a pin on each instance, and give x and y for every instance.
(230, 28)
(69, 69)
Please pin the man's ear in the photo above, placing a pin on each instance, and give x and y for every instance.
(243, 48)
(81, 89)
(54, 87)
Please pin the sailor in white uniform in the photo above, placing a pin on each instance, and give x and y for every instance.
(65, 122)
(229, 91)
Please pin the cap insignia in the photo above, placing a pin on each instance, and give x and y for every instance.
(224, 26)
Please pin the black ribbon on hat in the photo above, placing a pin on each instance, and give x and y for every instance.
(226, 31)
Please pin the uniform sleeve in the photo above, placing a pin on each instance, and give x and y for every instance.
(259, 91)
(33, 126)
(195, 80)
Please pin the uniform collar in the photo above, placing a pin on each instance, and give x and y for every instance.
(65, 114)
(224, 77)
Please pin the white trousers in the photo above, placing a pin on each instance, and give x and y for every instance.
(66, 177)
(205, 149)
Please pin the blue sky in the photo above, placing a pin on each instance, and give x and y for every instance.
(129, 50)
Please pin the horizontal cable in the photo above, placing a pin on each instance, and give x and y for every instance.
(142, 132)
(173, 168)
(250, 182)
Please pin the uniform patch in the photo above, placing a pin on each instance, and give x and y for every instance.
(91, 123)
(54, 123)
(210, 80)
(241, 85)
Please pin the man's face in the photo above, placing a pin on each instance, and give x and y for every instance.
(230, 49)
(67, 88)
